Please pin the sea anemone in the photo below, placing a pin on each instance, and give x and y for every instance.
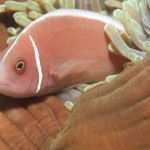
(113, 116)
(30, 124)
(134, 43)
(34, 123)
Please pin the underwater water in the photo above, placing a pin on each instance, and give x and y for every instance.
(112, 112)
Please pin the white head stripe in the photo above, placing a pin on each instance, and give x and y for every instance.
(11, 47)
(38, 64)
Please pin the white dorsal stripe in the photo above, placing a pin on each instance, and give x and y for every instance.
(38, 64)
(74, 13)
(78, 13)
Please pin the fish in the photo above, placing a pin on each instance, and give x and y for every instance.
(61, 49)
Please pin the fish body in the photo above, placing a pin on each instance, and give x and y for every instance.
(63, 48)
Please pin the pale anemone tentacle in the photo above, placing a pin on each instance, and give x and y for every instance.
(113, 49)
(86, 87)
(135, 16)
(12, 31)
(145, 15)
(132, 8)
(111, 77)
(95, 5)
(131, 54)
(11, 39)
(69, 105)
(2, 9)
(113, 4)
(34, 6)
(133, 28)
(14, 5)
(127, 39)
(147, 46)
(148, 1)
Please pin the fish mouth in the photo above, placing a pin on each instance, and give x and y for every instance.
(10, 88)
(6, 87)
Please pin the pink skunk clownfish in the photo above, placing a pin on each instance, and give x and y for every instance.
(63, 48)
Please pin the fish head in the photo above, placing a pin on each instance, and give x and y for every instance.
(18, 72)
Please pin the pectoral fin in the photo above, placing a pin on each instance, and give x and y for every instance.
(72, 69)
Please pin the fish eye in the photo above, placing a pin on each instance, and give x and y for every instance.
(20, 66)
